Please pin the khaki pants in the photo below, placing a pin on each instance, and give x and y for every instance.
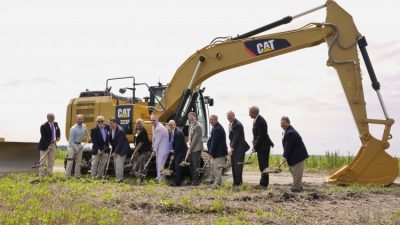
(216, 169)
(297, 174)
(119, 166)
(46, 166)
(98, 165)
(72, 149)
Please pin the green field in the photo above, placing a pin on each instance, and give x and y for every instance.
(57, 200)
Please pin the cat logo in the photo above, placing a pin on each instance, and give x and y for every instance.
(124, 112)
(260, 47)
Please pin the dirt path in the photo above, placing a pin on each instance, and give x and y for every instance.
(253, 177)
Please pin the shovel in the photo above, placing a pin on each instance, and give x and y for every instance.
(203, 169)
(184, 163)
(276, 170)
(142, 175)
(41, 159)
(76, 153)
(248, 161)
(167, 171)
(130, 164)
(101, 153)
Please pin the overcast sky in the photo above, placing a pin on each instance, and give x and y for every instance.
(50, 51)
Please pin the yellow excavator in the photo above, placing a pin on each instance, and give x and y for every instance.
(371, 165)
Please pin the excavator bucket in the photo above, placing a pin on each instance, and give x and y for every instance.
(372, 165)
(18, 157)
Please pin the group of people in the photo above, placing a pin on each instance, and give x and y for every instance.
(170, 139)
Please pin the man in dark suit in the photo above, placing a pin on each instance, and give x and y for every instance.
(294, 153)
(120, 146)
(179, 148)
(217, 150)
(261, 143)
(100, 148)
(238, 147)
(49, 135)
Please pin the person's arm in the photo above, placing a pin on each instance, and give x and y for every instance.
(217, 135)
(262, 130)
(95, 146)
(290, 140)
(237, 133)
(120, 135)
(197, 133)
(156, 140)
(71, 136)
(58, 131)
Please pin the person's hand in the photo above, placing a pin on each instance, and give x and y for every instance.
(99, 152)
(230, 152)
(114, 155)
(210, 157)
(172, 158)
(189, 151)
(153, 153)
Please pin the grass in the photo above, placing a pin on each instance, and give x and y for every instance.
(314, 164)
(56, 200)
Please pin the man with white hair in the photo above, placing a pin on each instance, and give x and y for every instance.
(160, 145)
(75, 146)
(49, 135)
(217, 150)
(100, 148)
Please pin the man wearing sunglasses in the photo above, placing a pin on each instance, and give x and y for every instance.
(100, 148)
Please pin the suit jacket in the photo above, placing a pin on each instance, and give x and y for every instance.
(98, 141)
(236, 137)
(261, 140)
(179, 145)
(294, 149)
(45, 135)
(120, 143)
(195, 138)
(217, 142)
(160, 140)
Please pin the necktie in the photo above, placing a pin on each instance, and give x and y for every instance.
(52, 131)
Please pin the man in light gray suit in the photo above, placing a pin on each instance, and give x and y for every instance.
(195, 147)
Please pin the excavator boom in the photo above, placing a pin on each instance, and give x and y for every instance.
(371, 164)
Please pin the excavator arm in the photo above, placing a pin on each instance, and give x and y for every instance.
(372, 164)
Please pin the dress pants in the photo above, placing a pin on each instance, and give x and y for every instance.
(297, 174)
(216, 169)
(119, 166)
(237, 169)
(194, 160)
(160, 163)
(46, 166)
(72, 149)
(263, 162)
(98, 164)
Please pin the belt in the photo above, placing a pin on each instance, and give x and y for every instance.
(77, 143)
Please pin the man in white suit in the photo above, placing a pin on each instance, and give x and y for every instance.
(160, 145)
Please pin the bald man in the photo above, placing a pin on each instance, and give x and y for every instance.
(75, 146)
(261, 144)
(49, 135)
